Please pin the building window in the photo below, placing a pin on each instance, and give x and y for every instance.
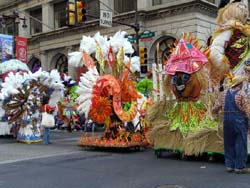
(93, 8)
(34, 64)
(60, 62)
(35, 21)
(60, 14)
(159, 2)
(124, 5)
(165, 47)
(211, 1)
(156, 2)
(7, 27)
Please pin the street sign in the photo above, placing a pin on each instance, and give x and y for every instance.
(131, 39)
(147, 34)
(106, 18)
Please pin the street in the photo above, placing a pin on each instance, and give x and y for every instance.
(65, 165)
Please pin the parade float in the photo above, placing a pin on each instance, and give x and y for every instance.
(22, 93)
(180, 118)
(108, 95)
(229, 52)
(186, 124)
(14, 66)
(67, 116)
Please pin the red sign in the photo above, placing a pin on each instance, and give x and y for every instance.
(146, 39)
(21, 49)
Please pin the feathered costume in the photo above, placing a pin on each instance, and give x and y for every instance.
(22, 93)
(103, 94)
(184, 123)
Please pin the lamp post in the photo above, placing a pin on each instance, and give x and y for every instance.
(136, 28)
(15, 19)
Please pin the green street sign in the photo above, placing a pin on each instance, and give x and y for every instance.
(147, 34)
(131, 39)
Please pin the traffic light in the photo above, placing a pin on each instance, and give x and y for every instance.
(143, 55)
(143, 59)
(70, 13)
(81, 11)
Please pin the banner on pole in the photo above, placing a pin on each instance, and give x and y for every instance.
(21, 49)
(6, 47)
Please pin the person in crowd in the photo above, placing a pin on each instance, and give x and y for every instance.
(235, 105)
(48, 109)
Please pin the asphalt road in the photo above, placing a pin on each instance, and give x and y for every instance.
(77, 168)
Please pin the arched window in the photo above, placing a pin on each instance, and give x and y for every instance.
(60, 62)
(34, 64)
(165, 47)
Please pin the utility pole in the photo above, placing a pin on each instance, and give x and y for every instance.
(136, 28)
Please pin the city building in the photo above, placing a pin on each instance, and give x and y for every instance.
(50, 39)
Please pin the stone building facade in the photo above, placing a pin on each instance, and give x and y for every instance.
(50, 40)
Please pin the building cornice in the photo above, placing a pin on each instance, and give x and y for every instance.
(10, 5)
(194, 6)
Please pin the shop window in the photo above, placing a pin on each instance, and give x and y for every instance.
(124, 5)
(35, 21)
(60, 14)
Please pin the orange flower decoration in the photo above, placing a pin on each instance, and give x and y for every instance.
(100, 109)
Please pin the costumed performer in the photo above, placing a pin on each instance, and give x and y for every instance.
(187, 126)
(236, 109)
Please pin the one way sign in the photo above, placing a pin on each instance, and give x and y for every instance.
(106, 18)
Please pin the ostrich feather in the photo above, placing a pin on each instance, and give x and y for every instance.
(120, 41)
(88, 44)
(84, 107)
(116, 42)
(127, 47)
(103, 43)
(84, 88)
(135, 64)
(83, 98)
(85, 81)
(75, 59)
(55, 96)
(91, 76)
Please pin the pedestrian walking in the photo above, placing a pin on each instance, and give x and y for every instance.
(235, 105)
(46, 108)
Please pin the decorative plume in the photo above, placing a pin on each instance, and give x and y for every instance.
(75, 59)
(88, 44)
(118, 41)
(102, 41)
